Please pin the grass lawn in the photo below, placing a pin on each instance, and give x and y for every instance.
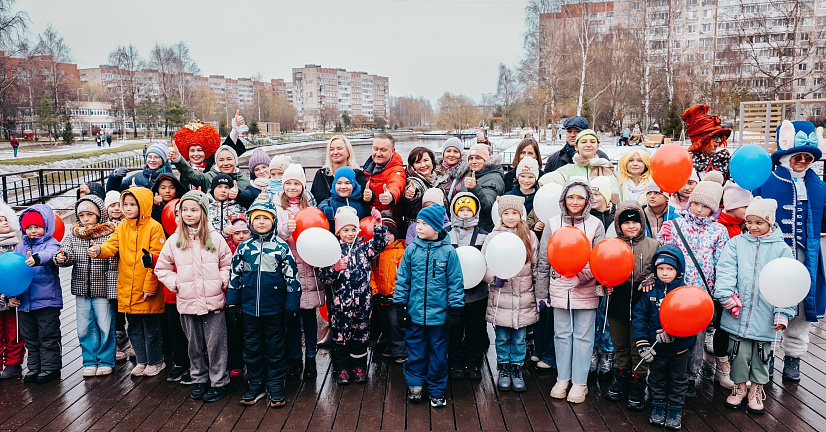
(36, 160)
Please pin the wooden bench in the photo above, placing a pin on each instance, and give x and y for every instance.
(654, 140)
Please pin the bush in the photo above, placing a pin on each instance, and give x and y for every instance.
(67, 135)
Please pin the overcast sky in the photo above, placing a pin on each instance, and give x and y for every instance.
(425, 47)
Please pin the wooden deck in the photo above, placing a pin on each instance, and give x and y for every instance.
(119, 402)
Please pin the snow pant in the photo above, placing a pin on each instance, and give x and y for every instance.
(574, 343)
(543, 336)
(625, 348)
(796, 336)
(510, 345)
(469, 340)
(349, 355)
(305, 324)
(668, 380)
(602, 339)
(391, 334)
(749, 360)
(207, 334)
(235, 341)
(265, 352)
(12, 347)
(41, 330)
(144, 332)
(427, 358)
(178, 343)
(95, 331)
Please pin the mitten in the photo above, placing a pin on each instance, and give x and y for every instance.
(499, 282)
(340, 265)
(647, 353)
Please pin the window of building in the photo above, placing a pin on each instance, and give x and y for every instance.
(801, 82)
(818, 67)
(822, 4)
(678, 15)
(691, 43)
(692, 15)
(705, 42)
(801, 67)
(678, 30)
(706, 28)
(691, 2)
(636, 20)
(675, 58)
(637, 6)
(804, 36)
(707, 13)
(677, 44)
(706, 57)
(692, 29)
(816, 112)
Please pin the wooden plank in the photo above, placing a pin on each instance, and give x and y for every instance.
(484, 393)
(395, 403)
(561, 411)
(130, 401)
(464, 406)
(372, 404)
(306, 399)
(326, 405)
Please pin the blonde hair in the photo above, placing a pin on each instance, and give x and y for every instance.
(623, 174)
(328, 164)
(202, 232)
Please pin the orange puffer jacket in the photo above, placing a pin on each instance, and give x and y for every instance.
(384, 268)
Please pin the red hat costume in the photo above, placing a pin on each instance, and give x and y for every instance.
(197, 133)
(701, 127)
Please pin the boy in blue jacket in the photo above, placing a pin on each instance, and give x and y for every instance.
(428, 297)
(668, 371)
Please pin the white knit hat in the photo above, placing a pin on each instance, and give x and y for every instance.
(735, 197)
(602, 185)
(112, 197)
(709, 191)
(346, 216)
(434, 195)
(763, 208)
(528, 165)
(280, 162)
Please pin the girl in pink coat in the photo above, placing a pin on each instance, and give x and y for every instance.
(194, 263)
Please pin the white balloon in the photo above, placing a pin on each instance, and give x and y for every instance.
(473, 265)
(494, 213)
(546, 201)
(784, 282)
(505, 255)
(318, 247)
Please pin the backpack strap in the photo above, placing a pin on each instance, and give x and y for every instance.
(691, 255)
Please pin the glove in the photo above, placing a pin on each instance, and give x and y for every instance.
(541, 305)
(376, 216)
(402, 316)
(647, 284)
(453, 317)
(663, 337)
(499, 282)
(146, 259)
(647, 353)
(567, 282)
(119, 172)
(340, 265)
(665, 232)
(733, 305)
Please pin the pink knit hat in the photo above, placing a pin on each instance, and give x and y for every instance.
(481, 150)
(346, 216)
(295, 172)
(735, 197)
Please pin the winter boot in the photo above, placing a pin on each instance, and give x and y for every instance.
(791, 369)
(560, 389)
(13, 371)
(756, 398)
(474, 373)
(294, 368)
(606, 364)
(674, 419)
(636, 393)
(691, 390)
(517, 381)
(738, 393)
(723, 371)
(310, 370)
(457, 373)
(619, 388)
(577, 393)
(708, 342)
(504, 381)
(657, 417)
(594, 360)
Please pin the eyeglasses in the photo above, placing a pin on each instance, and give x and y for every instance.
(803, 157)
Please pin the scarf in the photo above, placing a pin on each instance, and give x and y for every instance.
(799, 178)
(93, 231)
(9, 239)
(599, 166)
(261, 182)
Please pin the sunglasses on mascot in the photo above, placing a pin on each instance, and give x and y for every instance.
(803, 157)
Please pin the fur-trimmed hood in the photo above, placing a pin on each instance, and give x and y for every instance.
(16, 234)
(104, 226)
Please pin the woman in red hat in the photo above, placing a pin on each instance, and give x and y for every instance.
(708, 141)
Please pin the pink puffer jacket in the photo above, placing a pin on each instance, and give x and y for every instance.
(513, 305)
(312, 295)
(198, 276)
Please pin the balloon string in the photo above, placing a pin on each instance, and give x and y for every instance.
(638, 364)
(16, 327)
(607, 302)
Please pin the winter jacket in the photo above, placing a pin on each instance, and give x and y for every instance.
(738, 273)
(646, 320)
(706, 238)
(383, 271)
(144, 178)
(198, 277)
(391, 175)
(466, 232)
(323, 183)
(489, 185)
(606, 217)
(654, 223)
(90, 277)
(220, 214)
(264, 277)
(45, 290)
(802, 222)
(128, 241)
(513, 305)
(330, 205)
(549, 284)
(430, 281)
(733, 225)
(312, 296)
(411, 207)
(157, 209)
(565, 156)
(627, 294)
(528, 197)
(204, 179)
(454, 181)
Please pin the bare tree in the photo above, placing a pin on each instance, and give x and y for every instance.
(327, 115)
(13, 26)
(183, 69)
(457, 112)
(54, 50)
(128, 63)
(160, 60)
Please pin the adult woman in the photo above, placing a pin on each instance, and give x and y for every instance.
(455, 167)
(526, 147)
(586, 164)
(485, 181)
(156, 164)
(339, 154)
(708, 141)
(422, 174)
(226, 162)
(634, 175)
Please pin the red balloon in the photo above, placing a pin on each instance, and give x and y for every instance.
(366, 228)
(671, 167)
(686, 311)
(59, 228)
(323, 311)
(309, 217)
(612, 262)
(168, 219)
(568, 251)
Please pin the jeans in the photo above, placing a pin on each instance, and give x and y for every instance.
(751, 361)
(305, 323)
(574, 343)
(602, 339)
(510, 345)
(207, 333)
(265, 352)
(145, 334)
(96, 330)
(469, 340)
(543, 337)
(427, 358)
(667, 380)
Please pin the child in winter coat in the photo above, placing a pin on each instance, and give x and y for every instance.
(656, 209)
(630, 222)
(602, 360)
(259, 166)
(350, 281)
(428, 295)
(574, 299)
(429, 197)
(345, 192)
(512, 304)
(602, 208)
(735, 201)
(223, 207)
(469, 338)
(383, 282)
(194, 264)
(94, 285)
(267, 293)
(12, 348)
(679, 199)
(240, 231)
(702, 241)
(752, 323)
(165, 189)
(668, 365)
(39, 306)
(137, 241)
(112, 205)
(634, 175)
(287, 204)
(527, 174)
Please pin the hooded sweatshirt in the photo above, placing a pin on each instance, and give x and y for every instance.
(466, 232)
(45, 289)
(627, 294)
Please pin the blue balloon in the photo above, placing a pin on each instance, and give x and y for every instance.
(750, 166)
(17, 274)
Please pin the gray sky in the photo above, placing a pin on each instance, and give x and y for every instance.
(426, 47)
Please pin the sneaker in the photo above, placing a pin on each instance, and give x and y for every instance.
(577, 393)
(504, 381)
(560, 390)
(708, 342)
(138, 370)
(216, 393)
(199, 390)
(90, 371)
(517, 381)
(154, 369)
(31, 376)
(176, 374)
(119, 355)
(438, 402)
(674, 419)
(360, 375)
(414, 394)
(253, 395)
(13, 371)
(47, 376)
(186, 379)
(791, 369)
(343, 377)
(657, 417)
(594, 361)
(401, 360)
(474, 373)
(103, 371)
(277, 400)
(457, 373)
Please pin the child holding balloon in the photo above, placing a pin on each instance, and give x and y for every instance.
(512, 304)
(12, 347)
(752, 322)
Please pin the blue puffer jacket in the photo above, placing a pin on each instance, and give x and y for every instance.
(334, 202)
(430, 280)
(646, 319)
(45, 290)
(738, 271)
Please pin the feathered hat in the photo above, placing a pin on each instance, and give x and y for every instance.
(197, 133)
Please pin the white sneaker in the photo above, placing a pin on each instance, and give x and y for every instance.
(90, 371)
(103, 370)
(138, 369)
(560, 390)
(155, 369)
(577, 393)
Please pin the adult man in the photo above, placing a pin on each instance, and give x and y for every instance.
(572, 125)
(15, 144)
(385, 175)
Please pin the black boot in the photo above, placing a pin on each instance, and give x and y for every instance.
(691, 391)
(791, 369)
(619, 388)
(310, 371)
(294, 368)
(636, 393)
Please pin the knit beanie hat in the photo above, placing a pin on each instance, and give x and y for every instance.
(668, 259)
(433, 215)
(577, 190)
(32, 218)
(709, 191)
(345, 216)
(281, 162)
(87, 206)
(715, 176)
(239, 222)
(229, 149)
(159, 148)
(511, 202)
(602, 185)
(466, 201)
(347, 173)
(735, 197)
(221, 179)
(528, 165)
(199, 197)
(652, 186)
(481, 150)
(258, 157)
(261, 208)
(295, 172)
(694, 176)
(585, 133)
(112, 197)
(629, 215)
(453, 142)
(763, 208)
(392, 228)
(434, 195)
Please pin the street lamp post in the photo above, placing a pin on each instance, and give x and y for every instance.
(78, 110)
